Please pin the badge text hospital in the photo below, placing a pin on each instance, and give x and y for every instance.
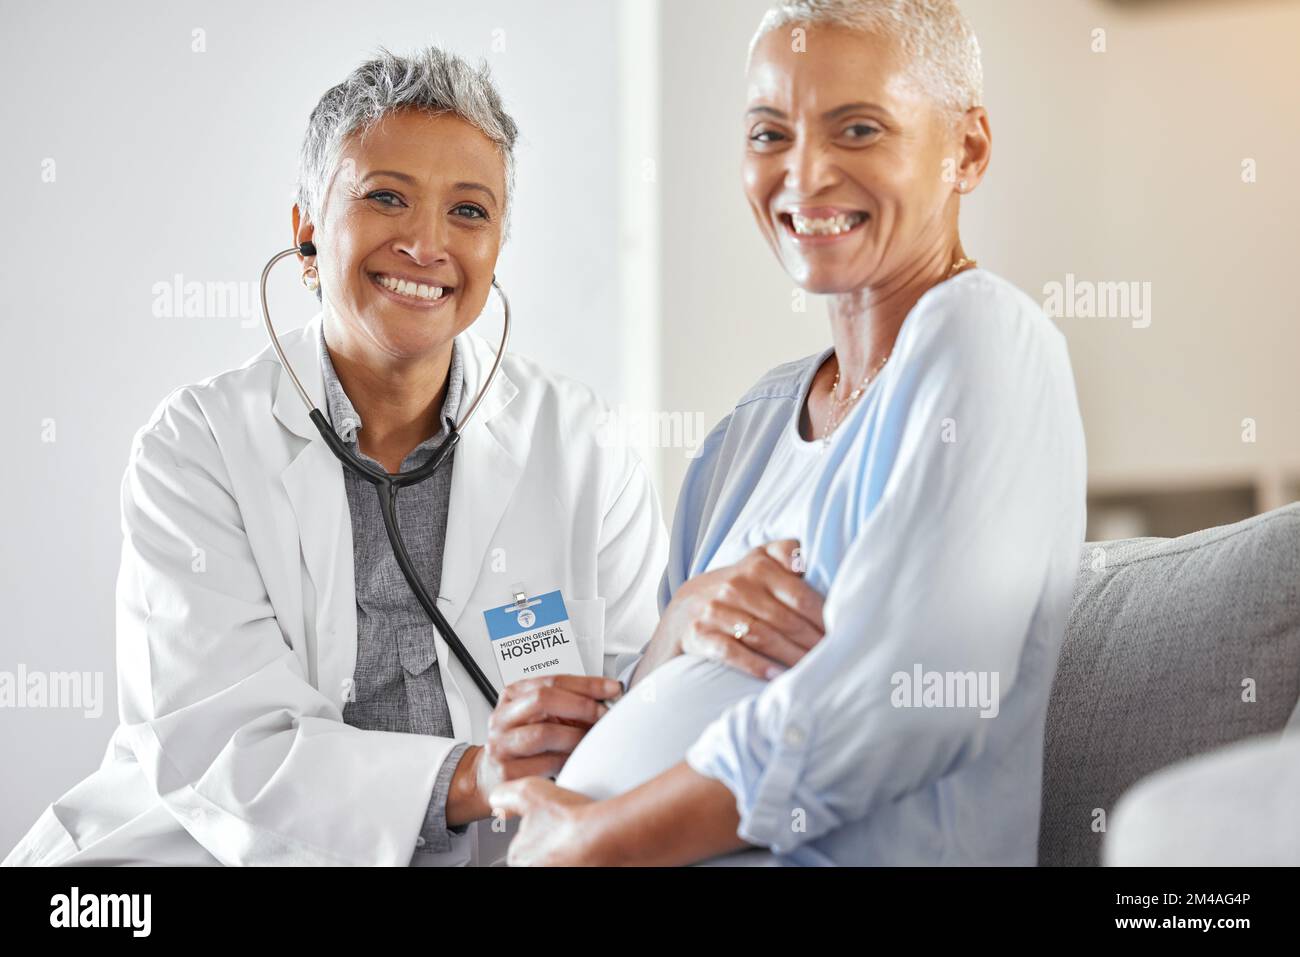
(533, 637)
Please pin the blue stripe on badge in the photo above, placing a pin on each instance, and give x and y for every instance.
(504, 622)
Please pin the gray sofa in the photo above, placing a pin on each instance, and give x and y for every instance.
(1174, 647)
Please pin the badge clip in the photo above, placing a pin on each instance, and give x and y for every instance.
(520, 596)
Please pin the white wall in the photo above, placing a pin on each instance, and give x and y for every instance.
(169, 161)
(1127, 166)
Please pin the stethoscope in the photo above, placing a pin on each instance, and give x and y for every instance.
(386, 485)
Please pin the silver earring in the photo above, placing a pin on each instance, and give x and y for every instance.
(311, 278)
(961, 187)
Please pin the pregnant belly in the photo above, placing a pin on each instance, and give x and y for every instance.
(650, 729)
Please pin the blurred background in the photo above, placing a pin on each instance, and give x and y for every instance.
(149, 146)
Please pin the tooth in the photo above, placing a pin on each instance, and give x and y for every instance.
(423, 290)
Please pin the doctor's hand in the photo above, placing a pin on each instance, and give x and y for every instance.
(535, 726)
(556, 830)
(758, 615)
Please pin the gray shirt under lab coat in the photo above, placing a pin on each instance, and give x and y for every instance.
(397, 685)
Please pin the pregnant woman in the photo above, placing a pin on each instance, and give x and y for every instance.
(931, 467)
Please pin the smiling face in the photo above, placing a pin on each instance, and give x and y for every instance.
(844, 160)
(410, 232)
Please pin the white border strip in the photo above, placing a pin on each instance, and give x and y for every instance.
(639, 165)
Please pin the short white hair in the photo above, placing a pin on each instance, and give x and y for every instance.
(431, 80)
(933, 34)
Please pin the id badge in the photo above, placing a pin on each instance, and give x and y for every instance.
(533, 637)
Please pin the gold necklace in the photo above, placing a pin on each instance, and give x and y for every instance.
(959, 264)
(839, 407)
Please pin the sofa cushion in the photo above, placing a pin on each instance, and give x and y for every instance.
(1173, 647)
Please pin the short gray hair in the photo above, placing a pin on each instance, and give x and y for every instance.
(431, 80)
(934, 34)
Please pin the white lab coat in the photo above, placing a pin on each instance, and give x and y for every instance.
(236, 617)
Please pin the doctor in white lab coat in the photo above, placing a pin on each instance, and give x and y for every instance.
(236, 608)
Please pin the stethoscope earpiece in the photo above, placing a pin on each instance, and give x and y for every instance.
(307, 249)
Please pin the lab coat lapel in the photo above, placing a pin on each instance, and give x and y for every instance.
(313, 481)
(485, 472)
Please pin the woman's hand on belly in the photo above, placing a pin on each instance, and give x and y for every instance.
(758, 616)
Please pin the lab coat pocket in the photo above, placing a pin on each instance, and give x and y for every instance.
(588, 618)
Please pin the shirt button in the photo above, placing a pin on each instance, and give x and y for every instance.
(419, 842)
(794, 736)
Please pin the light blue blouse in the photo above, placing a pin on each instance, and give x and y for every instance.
(943, 525)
